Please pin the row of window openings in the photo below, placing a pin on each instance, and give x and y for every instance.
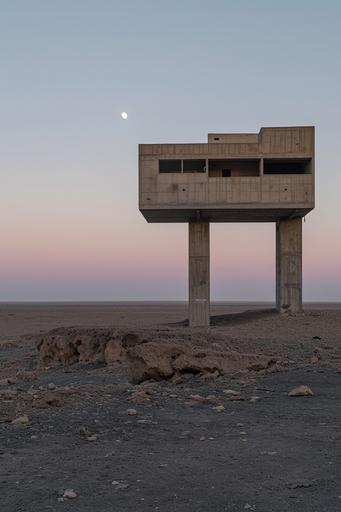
(227, 168)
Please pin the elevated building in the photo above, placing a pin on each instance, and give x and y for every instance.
(264, 177)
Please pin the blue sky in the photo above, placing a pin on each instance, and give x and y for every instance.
(70, 225)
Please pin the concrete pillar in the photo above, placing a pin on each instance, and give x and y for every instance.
(289, 265)
(199, 273)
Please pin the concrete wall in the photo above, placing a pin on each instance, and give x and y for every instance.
(290, 193)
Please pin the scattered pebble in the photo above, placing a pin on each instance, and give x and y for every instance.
(51, 386)
(21, 420)
(119, 485)
(219, 408)
(69, 494)
(231, 392)
(131, 412)
(139, 397)
(301, 391)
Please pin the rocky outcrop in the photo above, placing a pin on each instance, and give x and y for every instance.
(66, 346)
(146, 354)
(153, 360)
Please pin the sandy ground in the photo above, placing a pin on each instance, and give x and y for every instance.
(181, 451)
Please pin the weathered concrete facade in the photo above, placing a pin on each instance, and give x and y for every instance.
(264, 177)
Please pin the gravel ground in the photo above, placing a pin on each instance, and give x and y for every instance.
(183, 447)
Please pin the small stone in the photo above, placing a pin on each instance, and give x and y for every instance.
(255, 399)
(91, 438)
(300, 485)
(119, 485)
(236, 398)
(231, 392)
(21, 420)
(51, 386)
(131, 412)
(69, 494)
(83, 431)
(202, 438)
(139, 397)
(301, 391)
(27, 375)
(219, 408)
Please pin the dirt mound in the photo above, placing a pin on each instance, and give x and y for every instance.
(147, 354)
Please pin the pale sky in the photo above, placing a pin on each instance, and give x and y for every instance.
(69, 222)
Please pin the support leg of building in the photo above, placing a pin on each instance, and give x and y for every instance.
(289, 265)
(199, 273)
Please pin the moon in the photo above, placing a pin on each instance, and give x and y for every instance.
(124, 115)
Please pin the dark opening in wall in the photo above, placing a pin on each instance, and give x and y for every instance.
(194, 165)
(234, 168)
(287, 166)
(169, 166)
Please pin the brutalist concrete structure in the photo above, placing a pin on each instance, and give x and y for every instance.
(249, 177)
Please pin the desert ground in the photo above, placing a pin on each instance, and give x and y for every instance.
(121, 407)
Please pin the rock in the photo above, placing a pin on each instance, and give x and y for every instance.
(113, 352)
(131, 412)
(69, 345)
(219, 408)
(231, 392)
(84, 432)
(301, 391)
(300, 485)
(69, 494)
(255, 399)
(119, 486)
(236, 398)
(139, 397)
(21, 420)
(27, 375)
(51, 386)
(91, 438)
(149, 360)
(159, 360)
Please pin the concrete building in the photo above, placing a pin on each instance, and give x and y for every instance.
(249, 177)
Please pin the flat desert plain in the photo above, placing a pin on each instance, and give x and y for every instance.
(122, 407)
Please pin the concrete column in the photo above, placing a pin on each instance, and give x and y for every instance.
(199, 273)
(289, 265)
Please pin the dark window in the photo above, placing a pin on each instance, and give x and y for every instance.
(169, 165)
(194, 165)
(302, 166)
(226, 173)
